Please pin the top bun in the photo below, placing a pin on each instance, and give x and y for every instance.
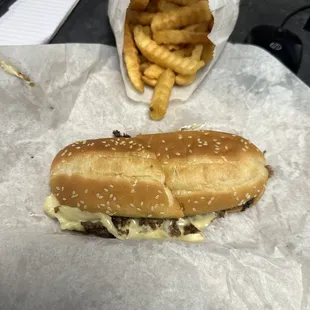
(168, 175)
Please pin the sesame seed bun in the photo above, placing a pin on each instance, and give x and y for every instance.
(168, 175)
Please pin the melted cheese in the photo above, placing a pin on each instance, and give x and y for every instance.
(70, 219)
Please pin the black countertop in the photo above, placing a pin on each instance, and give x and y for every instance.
(88, 23)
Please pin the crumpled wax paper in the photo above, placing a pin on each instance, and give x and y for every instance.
(225, 13)
(257, 259)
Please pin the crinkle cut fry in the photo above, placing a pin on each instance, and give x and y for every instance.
(163, 57)
(184, 16)
(132, 60)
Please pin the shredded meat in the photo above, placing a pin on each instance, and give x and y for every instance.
(96, 229)
(174, 230)
(247, 205)
(153, 223)
(190, 229)
(117, 134)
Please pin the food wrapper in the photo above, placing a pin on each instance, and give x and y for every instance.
(257, 259)
(225, 13)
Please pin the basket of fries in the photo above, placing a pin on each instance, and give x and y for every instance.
(167, 47)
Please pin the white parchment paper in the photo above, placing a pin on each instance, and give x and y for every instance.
(258, 259)
(225, 13)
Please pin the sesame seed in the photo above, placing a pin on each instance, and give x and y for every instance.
(212, 198)
(132, 191)
(152, 208)
(149, 215)
(58, 188)
(218, 143)
(189, 137)
(108, 203)
(258, 191)
(194, 209)
(199, 145)
(64, 199)
(86, 191)
(226, 147)
(247, 195)
(109, 208)
(209, 202)
(244, 150)
(235, 193)
(118, 206)
(167, 156)
(138, 209)
(82, 202)
(111, 185)
(180, 137)
(78, 147)
(104, 142)
(105, 189)
(157, 196)
(131, 205)
(237, 198)
(85, 207)
(190, 151)
(162, 205)
(188, 200)
(165, 163)
(163, 141)
(113, 149)
(107, 212)
(158, 154)
(69, 154)
(73, 192)
(166, 149)
(78, 205)
(97, 195)
(188, 145)
(202, 198)
(162, 213)
(114, 198)
(214, 140)
(206, 133)
(98, 206)
(62, 189)
(100, 197)
(246, 147)
(64, 153)
(241, 140)
(141, 204)
(74, 196)
(84, 142)
(57, 194)
(159, 191)
(111, 195)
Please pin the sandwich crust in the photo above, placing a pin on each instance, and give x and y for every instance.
(168, 175)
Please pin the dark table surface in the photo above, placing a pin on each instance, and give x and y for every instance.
(88, 23)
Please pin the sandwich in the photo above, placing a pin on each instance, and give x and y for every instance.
(154, 186)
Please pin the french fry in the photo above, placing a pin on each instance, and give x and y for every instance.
(152, 6)
(165, 6)
(147, 30)
(184, 2)
(172, 47)
(139, 18)
(188, 79)
(181, 17)
(144, 66)
(150, 82)
(132, 61)
(184, 52)
(138, 5)
(161, 95)
(207, 52)
(202, 27)
(153, 71)
(180, 37)
(142, 59)
(162, 56)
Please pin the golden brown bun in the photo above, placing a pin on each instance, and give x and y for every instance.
(167, 175)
